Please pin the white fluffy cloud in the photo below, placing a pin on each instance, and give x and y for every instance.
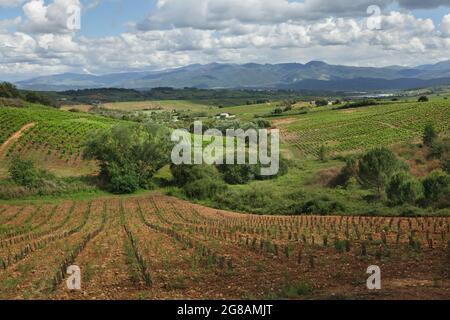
(52, 18)
(445, 25)
(10, 3)
(178, 33)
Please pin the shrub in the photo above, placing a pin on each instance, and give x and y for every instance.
(429, 135)
(8, 90)
(202, 189)
(127, 153)
(9, 102)
(322, 205)
(358, 104)
(283, 170)
(263, 123)
(237, 174)
(278, 111)
(377, 167)
(349, 171)
(446, 165)
(403, 189)
(437, 149)
(423, 99)
(323, 153)
(23, 173)
(436, 189)
(297, 289)
(198, 181)
(321, 102)
(185, 173)
(123, 180)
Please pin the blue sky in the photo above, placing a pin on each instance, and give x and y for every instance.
(119, 35)
(111, 17)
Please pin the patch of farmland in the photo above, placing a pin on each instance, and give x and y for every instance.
(167, 105)
(159, 247)
(360, 129)
(55, 141)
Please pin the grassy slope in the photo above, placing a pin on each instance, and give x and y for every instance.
(55, 143)
(356, 130)
(167, 105)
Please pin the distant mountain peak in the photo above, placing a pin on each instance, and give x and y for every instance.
(250, 75)
(315, 63)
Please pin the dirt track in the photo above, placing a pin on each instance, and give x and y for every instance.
(14, 137)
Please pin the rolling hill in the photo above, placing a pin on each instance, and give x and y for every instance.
(313, 75)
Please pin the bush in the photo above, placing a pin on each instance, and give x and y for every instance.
(323, 153)
(35, 97)
(437, 149)
(358, 104)
(203, 189)
(377, 167)
(283, 170)
(129, 156)
(9, 102)
(322, 205)
(198, 181)
(321, 102)
(349, 171)
(123, 180)
(436, 189)
(278, 111)
(423, 99)
(403, 189)
(8, 90)
(446, 165)
(237, 174)
(186, 173)
(23, 173)
(429, 135)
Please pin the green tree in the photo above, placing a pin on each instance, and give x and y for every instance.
(237, 174)
(377, 167)
(23, 173)
(436, 187)
(8, 90)
(129, 155)
(403, 189)
(429, 135)
(323, 153)
(423, 99)
(321, 102)
(349, 171)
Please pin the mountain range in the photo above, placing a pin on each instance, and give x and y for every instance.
(315, 75)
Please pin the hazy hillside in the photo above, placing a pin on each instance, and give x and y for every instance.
(290, 75)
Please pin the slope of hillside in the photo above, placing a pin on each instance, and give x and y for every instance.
(158, 247)
(250, 75)
(54, 141)
(355, 130)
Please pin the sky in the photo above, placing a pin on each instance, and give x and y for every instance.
(42, 37)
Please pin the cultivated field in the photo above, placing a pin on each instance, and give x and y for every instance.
(166, 105)
(54, 139)
(158, 247)
(359, 129)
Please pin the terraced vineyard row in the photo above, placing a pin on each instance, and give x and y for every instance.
(56, 135)
(158, 247)
(359, 129)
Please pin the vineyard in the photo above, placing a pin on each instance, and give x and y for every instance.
(56, 138)
(158, 247)
(355, 130)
